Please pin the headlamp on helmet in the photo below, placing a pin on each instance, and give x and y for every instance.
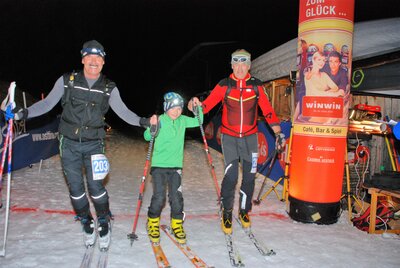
(93, 47)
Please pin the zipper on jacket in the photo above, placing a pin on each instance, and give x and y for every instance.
(241, 108)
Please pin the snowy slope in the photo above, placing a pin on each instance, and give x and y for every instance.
(43, 233)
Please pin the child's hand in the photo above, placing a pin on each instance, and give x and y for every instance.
(154, 125)
(153, 120)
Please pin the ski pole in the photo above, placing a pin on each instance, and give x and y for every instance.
(132, 236)
(3, 156)
(11, 122)
(3, 159)
(271, 165)
(10, 117)
(210, 161)
(5, 145)
(266, 162)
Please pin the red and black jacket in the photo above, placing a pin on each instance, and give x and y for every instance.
(240, 110)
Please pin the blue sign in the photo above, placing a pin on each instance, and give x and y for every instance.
(32, 146)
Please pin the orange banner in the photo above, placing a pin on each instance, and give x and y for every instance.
(317, 9)
(321, 103)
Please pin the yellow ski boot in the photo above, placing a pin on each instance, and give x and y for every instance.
(226, 221)
(153, 229)
(178, 231)
(244, 219)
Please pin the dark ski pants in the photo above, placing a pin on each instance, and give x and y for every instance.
(235, 150)
(161, 179)
(76, 158)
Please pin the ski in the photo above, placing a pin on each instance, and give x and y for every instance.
(87, 257)
(161, 259)
(264, 251)
(234, 256)
(102, 259)
(186, 250)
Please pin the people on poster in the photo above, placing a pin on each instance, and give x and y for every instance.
(323, 77)
(345, 57)
(337, 73)
(302, 63)
(318, 83)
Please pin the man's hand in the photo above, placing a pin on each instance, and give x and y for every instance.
(144, 122)
(193, 104)
(280, 141)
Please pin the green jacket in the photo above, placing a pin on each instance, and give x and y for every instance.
(169, 143)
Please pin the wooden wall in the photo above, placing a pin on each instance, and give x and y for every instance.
(379, 151)
(279, 98)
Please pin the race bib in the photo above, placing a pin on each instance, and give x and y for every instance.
(254, 158)
(100, 166)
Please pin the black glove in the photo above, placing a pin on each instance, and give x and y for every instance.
(20, 113)
(144, 122)
(280, 141)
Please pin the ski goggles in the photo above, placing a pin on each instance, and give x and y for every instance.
(239, 59)
(92, 50)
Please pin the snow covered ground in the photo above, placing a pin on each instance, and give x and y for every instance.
(42, 231)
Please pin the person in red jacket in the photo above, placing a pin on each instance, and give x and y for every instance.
(240, 94)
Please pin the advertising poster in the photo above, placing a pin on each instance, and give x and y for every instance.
(321, 109)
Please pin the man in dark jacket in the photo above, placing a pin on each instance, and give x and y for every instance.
(86, 97)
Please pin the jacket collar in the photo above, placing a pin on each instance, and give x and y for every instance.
(248, 76)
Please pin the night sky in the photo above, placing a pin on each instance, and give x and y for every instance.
(152, 46)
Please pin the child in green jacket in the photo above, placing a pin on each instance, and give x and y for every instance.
(167, 162)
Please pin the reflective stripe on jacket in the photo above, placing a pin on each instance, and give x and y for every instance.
(84, 108)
